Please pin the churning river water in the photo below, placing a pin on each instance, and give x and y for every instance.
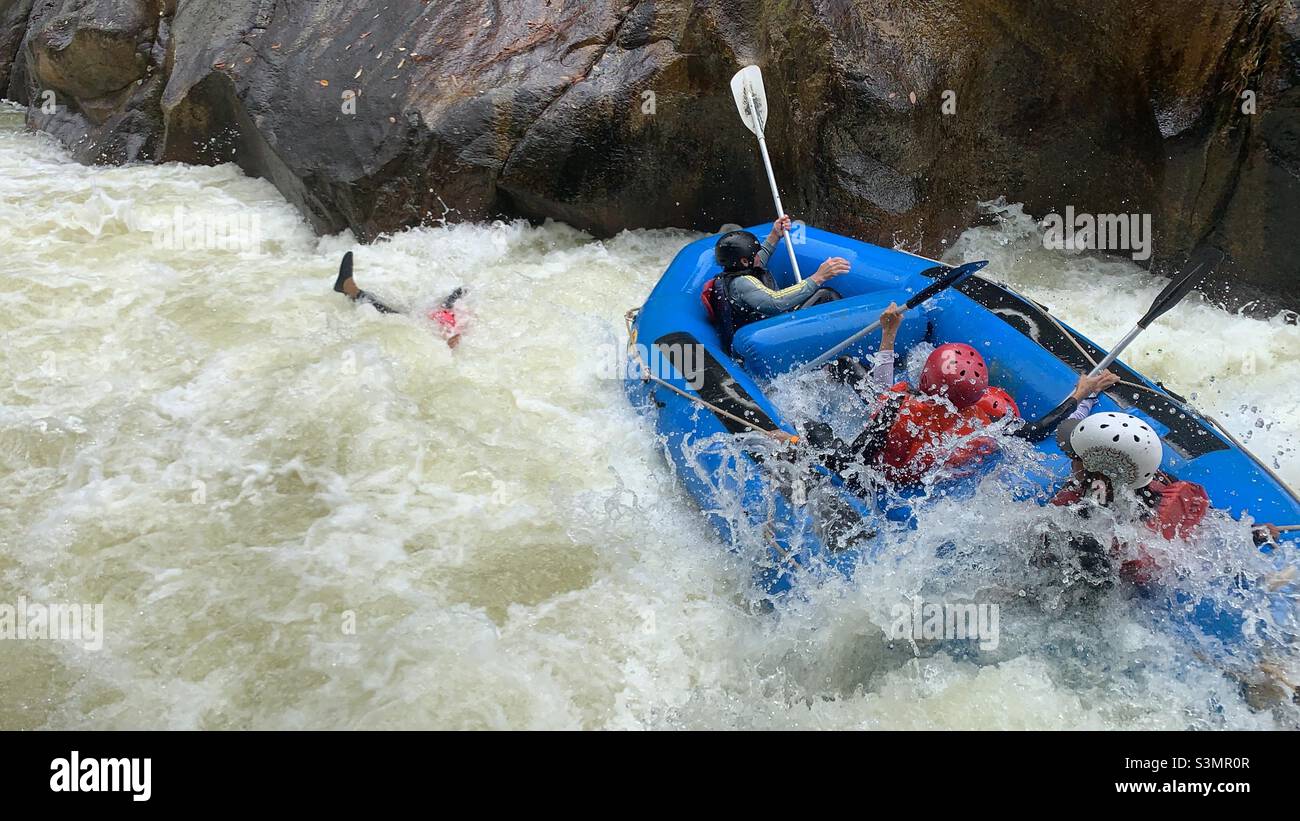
(299, 513)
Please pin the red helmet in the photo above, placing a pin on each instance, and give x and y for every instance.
(955, 370)
(996, 403)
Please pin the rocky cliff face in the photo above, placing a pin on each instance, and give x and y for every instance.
(13, 24)
(888, 120)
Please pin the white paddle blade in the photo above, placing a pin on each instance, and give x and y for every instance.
(751, 100)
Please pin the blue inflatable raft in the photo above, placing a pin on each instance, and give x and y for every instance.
(1030, 354)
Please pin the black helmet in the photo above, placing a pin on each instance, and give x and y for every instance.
(734, 246)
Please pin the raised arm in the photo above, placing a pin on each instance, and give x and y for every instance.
(1076, 406)
(882, 372)
(773, 237)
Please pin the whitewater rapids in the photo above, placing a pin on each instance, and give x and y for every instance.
(299, 513)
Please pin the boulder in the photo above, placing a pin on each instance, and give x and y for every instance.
(888, 121)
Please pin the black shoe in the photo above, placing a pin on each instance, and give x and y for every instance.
(345, 272)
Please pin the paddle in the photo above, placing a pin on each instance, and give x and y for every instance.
(1201, 263)
(942, 282)
(1170, 296)
(751, 102)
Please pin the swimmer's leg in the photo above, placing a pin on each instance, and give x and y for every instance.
(369, 299)
(345, 285)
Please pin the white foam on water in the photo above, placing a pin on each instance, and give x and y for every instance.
(301, 513)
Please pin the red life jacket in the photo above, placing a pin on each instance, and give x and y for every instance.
(1068, 495)
(1177, 507)
(1180, 506)
(706, 296)
(729, 315)
(448, 324)
(917, 440)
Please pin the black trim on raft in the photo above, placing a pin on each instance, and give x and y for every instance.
(715, 383)
(1188, 433)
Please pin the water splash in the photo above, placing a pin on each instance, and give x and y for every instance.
(300, 513)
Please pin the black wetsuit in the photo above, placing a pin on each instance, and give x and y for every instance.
(370, 299)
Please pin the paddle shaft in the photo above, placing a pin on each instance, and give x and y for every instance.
(1165, 300)
(942, 283)
(1117, 350)
(831, 354)
(771, 181)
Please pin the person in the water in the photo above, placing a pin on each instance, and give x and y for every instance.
(445, 315)
(745, 291)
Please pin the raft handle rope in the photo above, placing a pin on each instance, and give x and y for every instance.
(647, 376)
(1214, 421)
(1164, 394)
(785, 557)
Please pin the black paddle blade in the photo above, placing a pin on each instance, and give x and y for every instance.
(1198, 266)
(953, 277)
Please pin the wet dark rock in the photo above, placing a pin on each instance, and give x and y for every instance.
(13, 25)
(608, 115)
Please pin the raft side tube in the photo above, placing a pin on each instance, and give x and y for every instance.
(777, 345)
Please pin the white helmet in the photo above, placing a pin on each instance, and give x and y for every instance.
(1119, 445)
